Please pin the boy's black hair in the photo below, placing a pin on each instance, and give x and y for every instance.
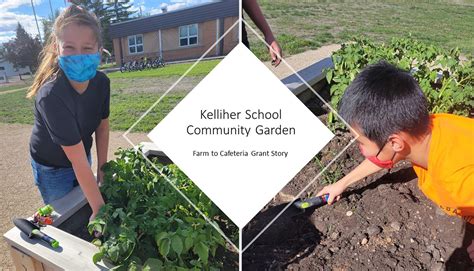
(383, 100)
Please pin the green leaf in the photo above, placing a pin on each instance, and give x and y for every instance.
(152, 264)
(114, 253)
(329, 76)
(134, 267)
(188, 243)
(164, 246)
(97, 257)
(177, 244)
(97, 242)
(202, 251)
(160, 236)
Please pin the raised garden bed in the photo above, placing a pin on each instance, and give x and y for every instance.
(383, 223)
(76, 252)
(313, 75)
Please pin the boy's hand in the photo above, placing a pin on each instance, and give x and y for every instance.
(334, 190)
(470, 251)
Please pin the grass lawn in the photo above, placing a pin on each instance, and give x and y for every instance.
(108, 65)
(202, 68)
(303, 25)
(16, 108)
(22, 84)
(126, 107)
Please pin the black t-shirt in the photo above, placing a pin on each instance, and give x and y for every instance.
(65, 117)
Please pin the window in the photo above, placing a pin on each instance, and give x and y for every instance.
(2, 68)
(135, 44)
(188, 35)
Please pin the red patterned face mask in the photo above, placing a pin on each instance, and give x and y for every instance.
(383, 164)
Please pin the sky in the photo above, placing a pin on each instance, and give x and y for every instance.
(14, 11)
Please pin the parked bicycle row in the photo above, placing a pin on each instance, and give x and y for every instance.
(143, 64)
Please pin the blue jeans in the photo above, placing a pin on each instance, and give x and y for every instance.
(54, 182)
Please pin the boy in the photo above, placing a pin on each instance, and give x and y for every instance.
(387, 108)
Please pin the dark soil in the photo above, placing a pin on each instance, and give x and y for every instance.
(391, 225)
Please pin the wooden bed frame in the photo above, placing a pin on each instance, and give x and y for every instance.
(75, 253)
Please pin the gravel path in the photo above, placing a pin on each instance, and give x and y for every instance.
(19, 196)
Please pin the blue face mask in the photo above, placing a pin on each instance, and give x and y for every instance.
(80, 68)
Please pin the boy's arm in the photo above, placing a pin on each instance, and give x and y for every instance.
(363, 170)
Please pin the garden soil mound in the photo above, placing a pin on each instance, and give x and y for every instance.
(382, 223)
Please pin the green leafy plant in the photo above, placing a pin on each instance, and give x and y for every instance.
(446, 80)
(147, 225)
(331, 175)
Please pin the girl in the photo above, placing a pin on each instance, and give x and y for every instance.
(71, 103)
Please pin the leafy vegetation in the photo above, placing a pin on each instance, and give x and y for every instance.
(328, 22)
(446, 80)
(146, 224)
(331, 175)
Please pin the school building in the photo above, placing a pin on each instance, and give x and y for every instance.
(178, 35)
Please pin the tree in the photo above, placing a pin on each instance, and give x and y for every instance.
(120, 9)
(23, 50)
(103, 14)
(48, 25)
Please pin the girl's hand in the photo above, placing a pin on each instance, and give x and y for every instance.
(334, 190)
(470, 251)
(95, 233)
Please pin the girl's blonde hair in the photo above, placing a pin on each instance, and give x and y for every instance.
(49, 66)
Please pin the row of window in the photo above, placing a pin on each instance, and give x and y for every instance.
(188, 35)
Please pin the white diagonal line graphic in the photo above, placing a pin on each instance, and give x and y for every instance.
(301, 78)
(181, 78)
(186, 198)
(212, 223)
(326, 167)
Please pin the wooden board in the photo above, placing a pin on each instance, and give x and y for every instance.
(311, 74)
(66, 206)
(150, 148)
(73, 253)
(23, 261)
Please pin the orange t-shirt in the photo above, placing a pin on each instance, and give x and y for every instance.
(449, 179)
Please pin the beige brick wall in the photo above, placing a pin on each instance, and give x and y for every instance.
(170, 41)
(172, 50)
(150, 41)
(232, 39)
